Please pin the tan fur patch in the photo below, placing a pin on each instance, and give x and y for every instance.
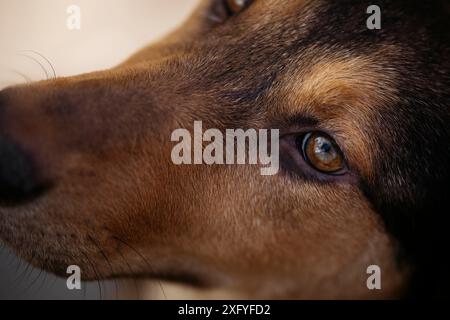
(343, 94)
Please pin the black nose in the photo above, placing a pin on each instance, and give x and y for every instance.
(18, 182)
(17, 177)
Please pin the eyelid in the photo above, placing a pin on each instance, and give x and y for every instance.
(294, 165)
(220, 12)
(304, 125)
(294, 140)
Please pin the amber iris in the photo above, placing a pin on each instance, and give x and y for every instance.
(322, 152)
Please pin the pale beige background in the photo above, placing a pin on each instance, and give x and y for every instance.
(111, 30)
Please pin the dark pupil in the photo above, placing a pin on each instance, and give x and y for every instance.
(325, 146)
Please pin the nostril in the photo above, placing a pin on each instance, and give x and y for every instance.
(18, 182)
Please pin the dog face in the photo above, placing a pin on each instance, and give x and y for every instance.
(87, 176)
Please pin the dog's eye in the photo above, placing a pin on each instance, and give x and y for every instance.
(223, 9)
(322, 152)
(236, 6)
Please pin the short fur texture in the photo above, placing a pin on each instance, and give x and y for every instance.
(116, 205)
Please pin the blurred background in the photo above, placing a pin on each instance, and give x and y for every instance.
(35, 42)
(110, 31)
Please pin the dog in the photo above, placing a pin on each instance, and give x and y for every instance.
(86, 176)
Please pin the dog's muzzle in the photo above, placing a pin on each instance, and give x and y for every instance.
(18, 182)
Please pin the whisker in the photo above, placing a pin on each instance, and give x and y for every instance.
(19, 265)
(107, 261)
(47, 77)
(144, 259)
(25, 271)
(10, 259)
(46, 59)
(131, 271)
(53, 282)
(39, 288)
(96, 274)
(30, 285)
(29, 272)
(25, 77)
(23, 275)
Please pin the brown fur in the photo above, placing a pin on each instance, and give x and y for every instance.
(102, 141)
